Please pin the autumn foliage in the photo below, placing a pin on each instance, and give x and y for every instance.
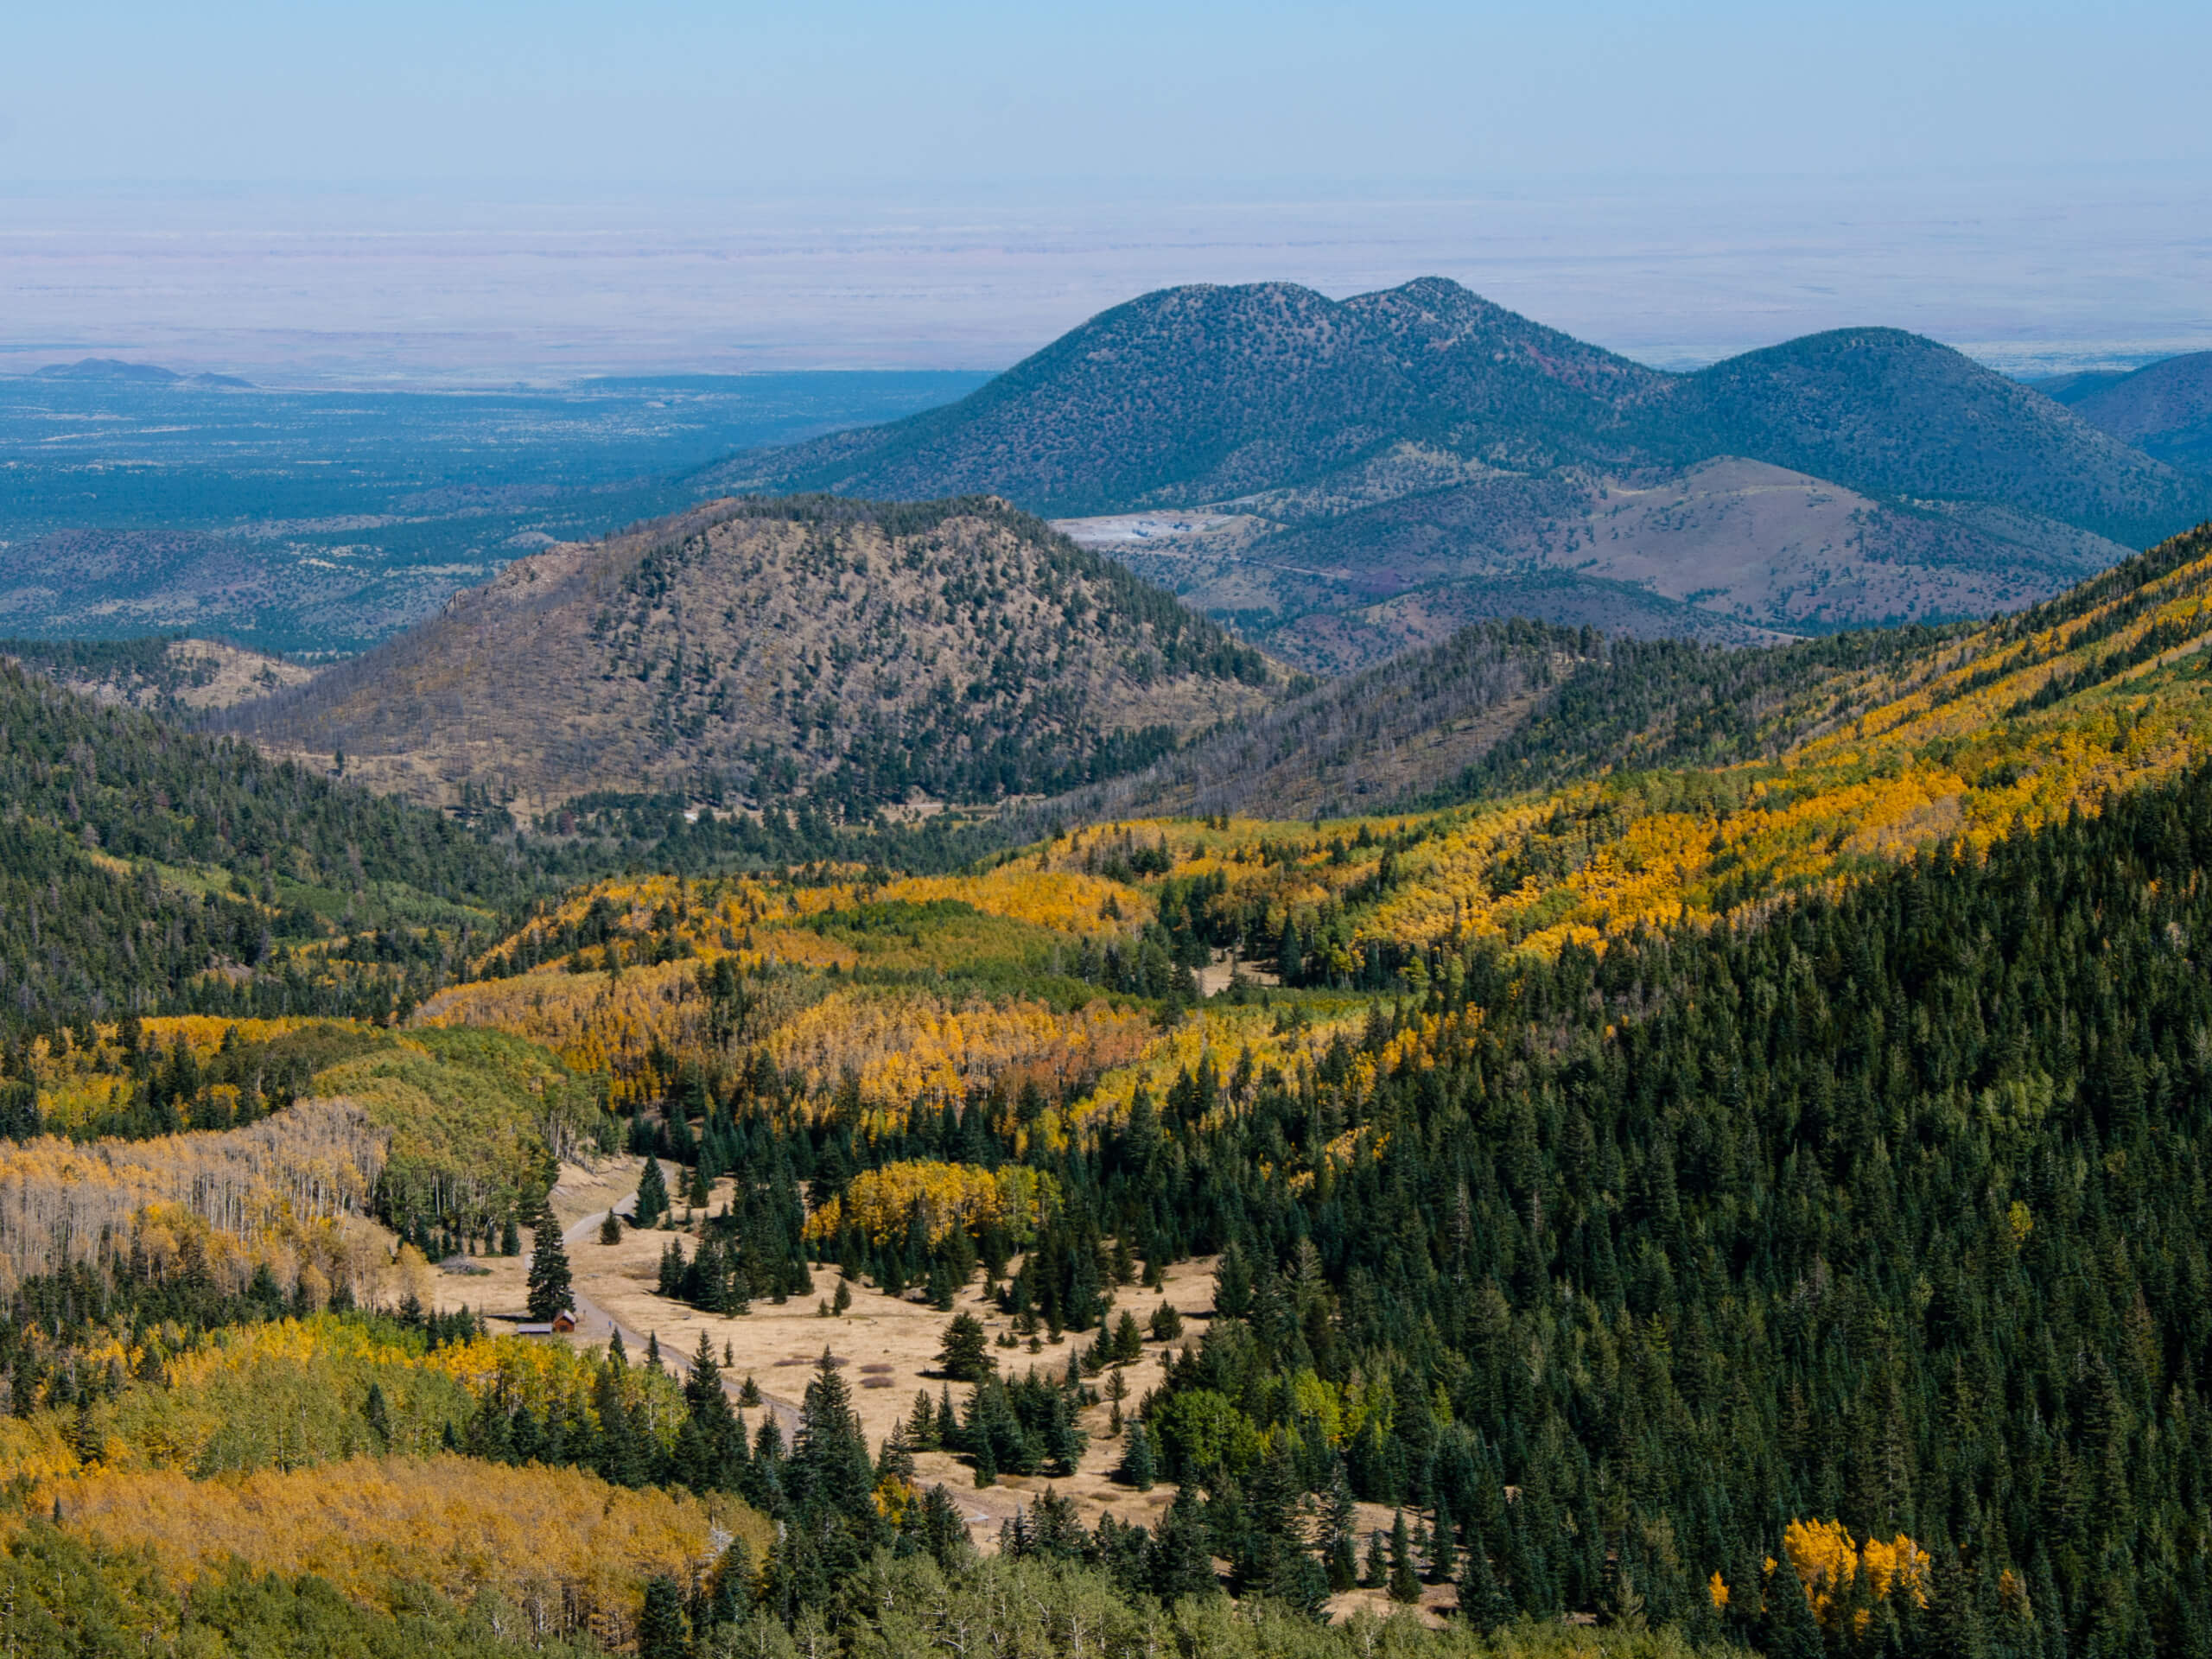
(569, 1550)
(908, 1051)
(880, 1202)
(1828, 1565)
(272, 1191)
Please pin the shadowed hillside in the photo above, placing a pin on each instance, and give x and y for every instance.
(1503, 708)
(1900, 417)
(2165, 408)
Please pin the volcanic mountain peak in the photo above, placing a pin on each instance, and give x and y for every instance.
(1426, 449)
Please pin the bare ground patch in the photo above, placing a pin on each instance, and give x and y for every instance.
(888, 1341)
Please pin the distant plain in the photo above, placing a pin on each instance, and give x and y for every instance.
(321, 520)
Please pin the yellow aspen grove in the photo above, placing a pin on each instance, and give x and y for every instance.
(65, 1201)
(950, 1195)
(907, 1050)
(1828, 1563)
(569, 1550)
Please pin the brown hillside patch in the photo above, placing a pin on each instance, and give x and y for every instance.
(965, 654)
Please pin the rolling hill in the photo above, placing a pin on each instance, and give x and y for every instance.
(1899, 418)
(754, 652)
(2164, 409)
(1204, 393)
(1383, 468)
(178, 677)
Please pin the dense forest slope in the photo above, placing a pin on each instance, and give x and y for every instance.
(765, 651)
(146, 867)
(1385, 465)
(1689, 790)
(1503, 708)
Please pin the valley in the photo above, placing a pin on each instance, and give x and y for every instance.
(1617, 931)
(1400, 1031)
(956, 833)
(313, 523)
(1730, 551)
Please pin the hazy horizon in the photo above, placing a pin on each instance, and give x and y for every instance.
(566, 189)
(471, 286)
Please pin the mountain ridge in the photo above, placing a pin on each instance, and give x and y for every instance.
(1423, 405)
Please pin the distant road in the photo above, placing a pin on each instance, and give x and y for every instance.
(596, 1323)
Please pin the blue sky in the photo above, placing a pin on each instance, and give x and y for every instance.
(864, 95)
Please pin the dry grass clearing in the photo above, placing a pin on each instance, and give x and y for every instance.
(889, 1344)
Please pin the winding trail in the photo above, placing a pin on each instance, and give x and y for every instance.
(596, 1323)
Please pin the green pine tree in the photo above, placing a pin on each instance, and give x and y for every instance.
(663, 1631)
(1405, 1582)
(921, 1422)
(1791, 1631)
(965, 1355)
(1182, 1554)
(948, 1425)
(941, 1286)
(1481, 1604)
(829, 1457)
(549, 1290)
(379, 1416)
(733, 1586)
(652, 1196)
(943, 1532)
(1127, 1340)
(1443, 1566)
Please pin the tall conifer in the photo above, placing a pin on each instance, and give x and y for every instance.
(549, 1291)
